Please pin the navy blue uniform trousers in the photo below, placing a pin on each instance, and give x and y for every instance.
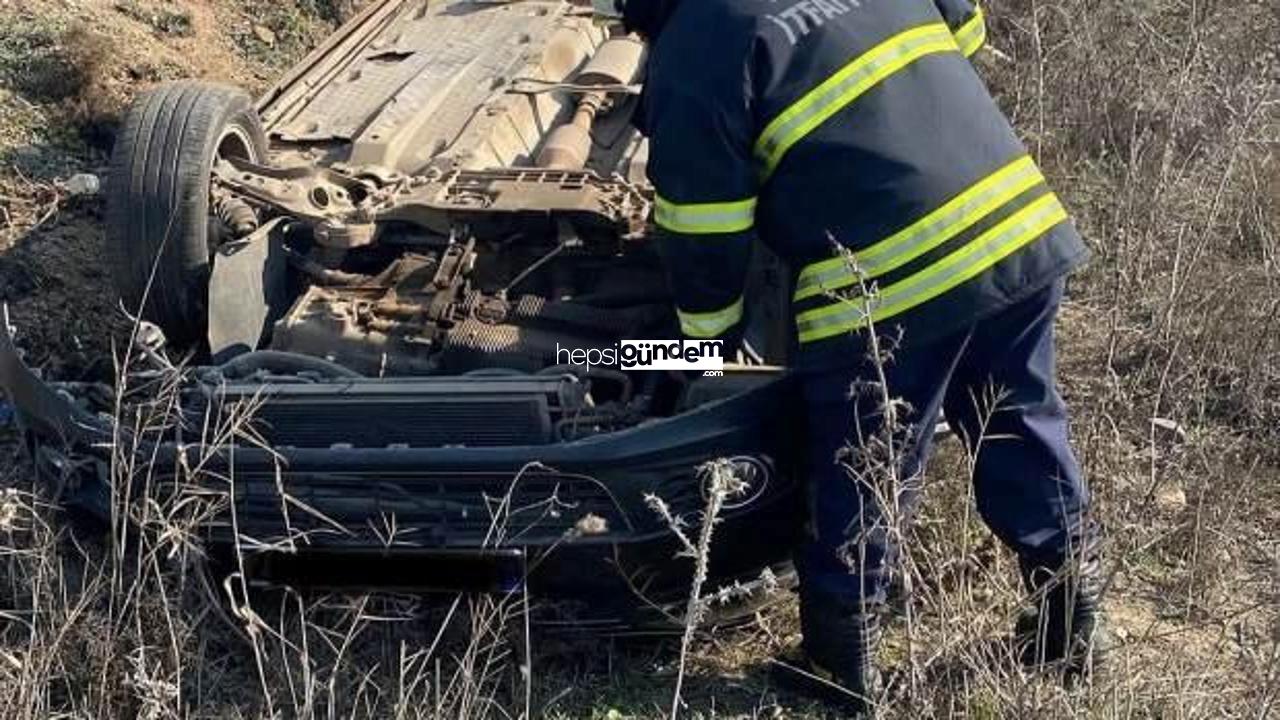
(995, 380)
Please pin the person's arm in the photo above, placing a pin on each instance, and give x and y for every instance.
(701, 168)
(967, 23)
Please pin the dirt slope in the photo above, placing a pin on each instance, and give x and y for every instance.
(67, 71)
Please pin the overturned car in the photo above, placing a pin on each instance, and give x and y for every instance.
(395, 259)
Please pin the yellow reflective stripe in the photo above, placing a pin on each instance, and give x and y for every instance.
(706, 218)
(972, 34)
(847, 85)
(710, 324)
(957, 215)
(1014, 232)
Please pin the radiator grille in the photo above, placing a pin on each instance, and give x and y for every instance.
(419, 422)
(418, 413)
(422, 509)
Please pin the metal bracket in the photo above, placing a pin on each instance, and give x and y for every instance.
(535, 86)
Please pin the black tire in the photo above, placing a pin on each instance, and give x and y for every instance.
(157, 234)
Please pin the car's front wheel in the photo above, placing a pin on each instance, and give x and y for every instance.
(158, 206)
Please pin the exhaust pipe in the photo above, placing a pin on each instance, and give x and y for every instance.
(617, 62)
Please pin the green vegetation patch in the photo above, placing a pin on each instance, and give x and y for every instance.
(35, 61)
(163, 19)
(277, 34)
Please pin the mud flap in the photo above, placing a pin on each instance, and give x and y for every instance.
(247, 291)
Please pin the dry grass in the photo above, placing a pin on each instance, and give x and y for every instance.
(1159, 123)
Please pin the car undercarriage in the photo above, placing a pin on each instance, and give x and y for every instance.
(388, 258)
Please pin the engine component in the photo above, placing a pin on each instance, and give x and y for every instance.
(341, 326)
(368, 330)
(476, 344)
(530, 334)
(609, 322)
(421, 316)
(321, 274)
(388, 326)
(274, 361)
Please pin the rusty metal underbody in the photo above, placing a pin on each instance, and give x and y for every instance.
(458, 186)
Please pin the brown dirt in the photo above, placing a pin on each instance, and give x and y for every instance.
(67, 71)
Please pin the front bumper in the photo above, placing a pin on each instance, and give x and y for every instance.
(572, 519)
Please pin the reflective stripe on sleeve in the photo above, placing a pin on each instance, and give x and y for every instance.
(989, 248)
(705, 218)
(710, 324)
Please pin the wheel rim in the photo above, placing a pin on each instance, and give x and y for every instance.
(235, 143)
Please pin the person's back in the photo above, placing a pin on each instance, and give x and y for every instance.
(817, 125)
(859, 122)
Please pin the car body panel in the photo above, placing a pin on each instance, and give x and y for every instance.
(410, 84)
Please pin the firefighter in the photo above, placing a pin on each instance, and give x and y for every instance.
(812, 123)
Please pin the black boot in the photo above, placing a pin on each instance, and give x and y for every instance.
(1065, 629)
(840, 641)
